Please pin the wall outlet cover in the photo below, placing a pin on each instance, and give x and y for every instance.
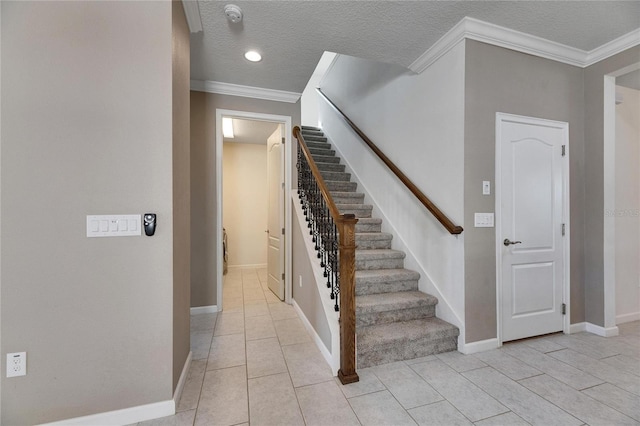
(16, 364)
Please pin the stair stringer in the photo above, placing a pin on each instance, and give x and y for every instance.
(426, 284)
(332, 354)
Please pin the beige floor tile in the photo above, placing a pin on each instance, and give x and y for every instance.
(439, 413)
(272, 401)
(543, 344)
(592, 349)
(323, 404)
(469, 399)
(368, 383)
(202, 322)
(192, 386)
(224, 399)
(229, 323)
(506, 419)
(264, 357)
(582, 406)
(259, 327)
(257, 310)
(184, 418)
(270, 297)
(291, 331)
(522, 401)
(624, 363)
(405, 385)
(616, 398)
(507, 365)
(306, 365)
(227, 351)
(460, 362)
(280, 311)
(200, 344)
(253, 294)
(380, 408)
(232, 305)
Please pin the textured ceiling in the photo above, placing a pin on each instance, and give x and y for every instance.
(292, 35)
(251, 131)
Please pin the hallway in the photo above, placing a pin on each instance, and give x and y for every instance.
(255, 362)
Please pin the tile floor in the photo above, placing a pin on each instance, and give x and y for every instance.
(255, 363)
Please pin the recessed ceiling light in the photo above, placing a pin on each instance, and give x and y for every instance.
(253, 56)
(227, 127)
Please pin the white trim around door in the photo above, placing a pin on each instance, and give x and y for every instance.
(286, 121)
(502, 118)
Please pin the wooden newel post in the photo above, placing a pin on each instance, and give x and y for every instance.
(347, 258)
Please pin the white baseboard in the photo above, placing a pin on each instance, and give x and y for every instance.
(183, 379)
(125, 416)
(480, 346)
(211, 309)
(335, 366)
(248, 266)
(621, 319)
(592, 328)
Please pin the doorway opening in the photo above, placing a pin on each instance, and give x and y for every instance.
(253, 180)
(621, 198)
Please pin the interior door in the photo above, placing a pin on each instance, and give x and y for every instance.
(531, 225)
(275, 220)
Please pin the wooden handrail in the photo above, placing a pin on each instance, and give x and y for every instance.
(441, 217)
(345, 224)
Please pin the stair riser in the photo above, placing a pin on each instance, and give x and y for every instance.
(336, 176)
(330, 167)
(372, 244)
(368, 227)
(363, 288)
(392, 263)
(417, 349)
(318, 145)
(314, 138)
(322, 152)
(326, 159)
(363, 320)
(342, 186)
(311, 132)
(363, 212)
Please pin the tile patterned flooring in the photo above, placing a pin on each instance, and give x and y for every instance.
(255, 363)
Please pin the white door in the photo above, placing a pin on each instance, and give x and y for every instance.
(275, 220)
(531, 172)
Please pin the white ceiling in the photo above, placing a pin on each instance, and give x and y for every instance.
(251, 131)
(630, 80)
(292, 35)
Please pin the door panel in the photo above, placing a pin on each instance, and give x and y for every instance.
(275, 220)
(531, 215)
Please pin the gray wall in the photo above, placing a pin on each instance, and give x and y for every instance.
(203, 185)
(501, 80)
(594, 180)
(86, 129)
(181, 190)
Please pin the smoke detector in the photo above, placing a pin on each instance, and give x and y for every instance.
(233, 12)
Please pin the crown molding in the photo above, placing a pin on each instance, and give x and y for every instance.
(192, 12)
(244, 91)
(474, 29)
(613, 47)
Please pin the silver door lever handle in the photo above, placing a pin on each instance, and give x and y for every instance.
(508, 242)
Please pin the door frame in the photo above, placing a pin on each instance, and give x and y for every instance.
(247, 115)
(609, 198)
(566, 217)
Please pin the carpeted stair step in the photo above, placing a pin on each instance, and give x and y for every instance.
(360, 210)
(347, 197)
(317, 129)
(321, 152)
(369, 224)
(392, 307)
(385, 280)
(373, 240)
(314, 139)
(312, 132)
(318, 145)
(330, 167)
(326, 159)
(379, 259)
(336, 176)
(384, 343)
(341, 186)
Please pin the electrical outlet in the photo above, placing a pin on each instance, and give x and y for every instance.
(17, 364)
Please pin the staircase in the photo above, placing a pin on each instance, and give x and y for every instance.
(394, 321)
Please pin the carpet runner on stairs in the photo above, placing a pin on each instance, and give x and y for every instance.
(394, 321)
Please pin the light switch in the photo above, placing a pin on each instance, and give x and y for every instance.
(486, 187)
(483, 220)
(121, 225)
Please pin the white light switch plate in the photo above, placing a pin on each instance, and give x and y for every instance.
(486, 187)
(119, 225)
(483, 220)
